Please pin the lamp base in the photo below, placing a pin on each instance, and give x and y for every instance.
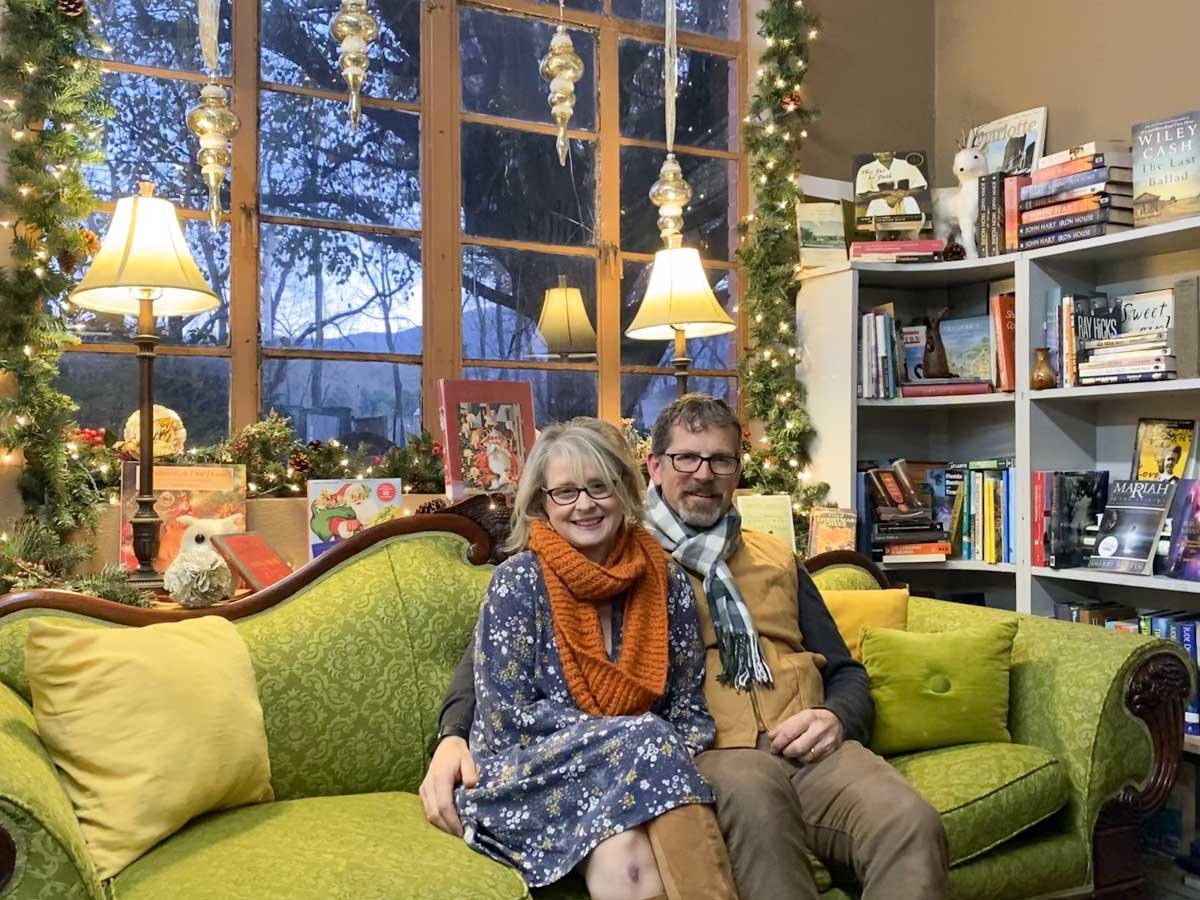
(681, 361)
(145, 546)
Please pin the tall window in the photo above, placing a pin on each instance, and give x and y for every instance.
(357, 268)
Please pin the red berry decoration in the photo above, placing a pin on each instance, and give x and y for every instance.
(790, 101)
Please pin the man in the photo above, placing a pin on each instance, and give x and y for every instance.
(887, 172)
(793, 710)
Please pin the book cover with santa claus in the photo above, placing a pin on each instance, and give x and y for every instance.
(339, 508)
(487, 429)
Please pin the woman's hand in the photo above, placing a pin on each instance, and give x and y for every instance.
(452, 764)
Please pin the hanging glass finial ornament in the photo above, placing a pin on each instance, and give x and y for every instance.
(562, 67)
(354, 28)
(213, 122)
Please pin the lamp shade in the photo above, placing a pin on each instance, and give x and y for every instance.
(678, 297)
(144, 254)
(564, 323)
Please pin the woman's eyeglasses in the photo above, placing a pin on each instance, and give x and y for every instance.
(689, 463)
(565, 496)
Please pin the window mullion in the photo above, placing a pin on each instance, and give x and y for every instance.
(608, 271)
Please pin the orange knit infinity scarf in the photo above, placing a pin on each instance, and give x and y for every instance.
(632, 684)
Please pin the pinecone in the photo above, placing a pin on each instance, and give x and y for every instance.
(90, 240)
(432, 506)
(954, 251)
(72, 8)
(791, 101)
(66, 262)
(300, 463)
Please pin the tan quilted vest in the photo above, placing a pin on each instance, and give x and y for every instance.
(764, 569)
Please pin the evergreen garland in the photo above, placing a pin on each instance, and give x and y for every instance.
(774, 133)
(53, 105)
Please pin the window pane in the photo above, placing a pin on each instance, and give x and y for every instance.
(209, 329)
(338, 290)
(297, 47)
(557, 395)
(719, 352)
(313, 165)
(513, 187)
(500, 71)
(148, 140)
(719, 17)
(708, 222)
(644, 396)
(105, 386)
(346, 400)
(503, 295)
(164, 33)
(705, 95)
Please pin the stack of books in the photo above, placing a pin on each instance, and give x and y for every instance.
(1144, 355)
(903, 527)
(1084, 194)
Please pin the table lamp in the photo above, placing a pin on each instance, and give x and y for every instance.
(145, 269)
(564, 323)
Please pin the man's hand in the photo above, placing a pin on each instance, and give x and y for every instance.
(451, 765)
(808, 736)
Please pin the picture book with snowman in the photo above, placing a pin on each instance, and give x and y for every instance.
(339, 508)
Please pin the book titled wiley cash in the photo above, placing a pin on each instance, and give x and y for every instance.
(1131, 525)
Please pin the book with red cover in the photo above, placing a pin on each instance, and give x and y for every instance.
(870, 248)
(252, 558)
(1075, 207)
(1004, 323)
(945, 389)
(487, 431)
(1012, 210)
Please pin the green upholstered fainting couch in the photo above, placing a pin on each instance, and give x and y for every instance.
(353, 652)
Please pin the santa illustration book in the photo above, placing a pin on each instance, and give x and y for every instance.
(488, 429)
(339, 508)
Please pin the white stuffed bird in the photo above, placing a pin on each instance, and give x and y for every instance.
(199, 576)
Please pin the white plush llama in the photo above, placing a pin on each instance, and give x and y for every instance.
(957, 209)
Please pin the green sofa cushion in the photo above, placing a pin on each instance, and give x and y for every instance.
(360, 846)
(986, 793)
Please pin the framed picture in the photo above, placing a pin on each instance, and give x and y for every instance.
(205, 492)
(487, 429)
(1013, 144)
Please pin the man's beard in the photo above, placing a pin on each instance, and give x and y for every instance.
(699, 513)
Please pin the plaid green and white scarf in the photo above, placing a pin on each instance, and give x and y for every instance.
(704, 554)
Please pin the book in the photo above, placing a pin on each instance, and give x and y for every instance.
(830, 529)
(1012, 144)
(771, 513)
(1183, 554)
(859, 249)
(1077, 499)
(1012, 210)
(252, 558)
(927, 482)
(487, 429)
(953, 388)
(910, 558)
(891, 194)
(822, 234)
(1118, 174)
(1123, 159)
(1124, 343)
(1074, 234)
(1129, 528)
(339, 508)
(1145, 311)
(1091, 148)
(888, 492)
(1004, 324)
(198, 491)
(1162, 449)
(969, 346)
(1130, 378)
(1166, 168)
(1109, 188)
(1074, 207)
(1075, 220)
(1164, 364)
(913, 338)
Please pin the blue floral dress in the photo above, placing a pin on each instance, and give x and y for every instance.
(554, 781)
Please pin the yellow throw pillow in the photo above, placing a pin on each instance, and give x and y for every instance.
(150, 727)
(853, 611)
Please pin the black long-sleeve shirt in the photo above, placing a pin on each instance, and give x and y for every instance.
(847, 688)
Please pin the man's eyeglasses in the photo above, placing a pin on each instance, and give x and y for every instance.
(565, 496)
(688, 463)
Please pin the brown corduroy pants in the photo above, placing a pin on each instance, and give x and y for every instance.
(851, 809)
(691, 856)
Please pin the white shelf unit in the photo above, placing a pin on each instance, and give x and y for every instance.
(1060, 429)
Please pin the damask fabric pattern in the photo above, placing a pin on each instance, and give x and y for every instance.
(554, 781)
(322, 848)
(350, 671)
(844, 578)
(52, 858)
(986, 793)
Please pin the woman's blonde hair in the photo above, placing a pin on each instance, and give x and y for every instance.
(593, 449)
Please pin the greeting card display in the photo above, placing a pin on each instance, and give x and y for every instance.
(203, 492)
(488, 430)
(339, 508)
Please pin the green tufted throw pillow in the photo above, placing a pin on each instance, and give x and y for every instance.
(938, 689)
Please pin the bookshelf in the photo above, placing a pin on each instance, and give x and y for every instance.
(1063, 428)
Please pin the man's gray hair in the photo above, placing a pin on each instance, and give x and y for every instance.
(695, 412)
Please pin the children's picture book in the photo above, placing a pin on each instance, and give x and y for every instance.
(1162, 449)
(913, 338)
(1013, 144)
(339, 508)
(1183, 555)
(1166, 169)
(968, 344)
(891, 194)
(200, 491)
(771, 513)
(1129, 528)
(822, 234)
(252, 558)
(831, 529)
(1077, 500)
(487, 429)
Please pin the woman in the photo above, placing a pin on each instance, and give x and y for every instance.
(589, 685)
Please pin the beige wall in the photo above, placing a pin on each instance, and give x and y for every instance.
(865, 104)
(1099, 65)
